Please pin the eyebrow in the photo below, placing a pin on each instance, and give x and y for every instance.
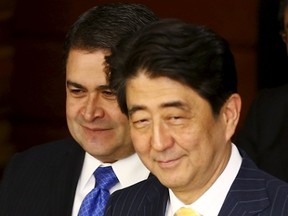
(74, 84)
(77, 85)
(135, 109)
(176, 104)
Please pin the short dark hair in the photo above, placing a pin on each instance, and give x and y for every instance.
(102, 26)
(190, 54)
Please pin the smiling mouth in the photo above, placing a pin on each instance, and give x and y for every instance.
(97, 129)
(168, 163)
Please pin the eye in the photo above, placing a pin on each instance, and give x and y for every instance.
(141, 123)
(109, 94)
(175, 119)
(76, 92)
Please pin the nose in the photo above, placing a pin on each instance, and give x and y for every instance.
(161, 138)
(93, 108)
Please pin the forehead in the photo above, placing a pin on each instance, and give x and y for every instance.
(86, 65)
(143, 84)
(154, 92)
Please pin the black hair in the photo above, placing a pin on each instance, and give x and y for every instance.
(190, 54)
(102, 26)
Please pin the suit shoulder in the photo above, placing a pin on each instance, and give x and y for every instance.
(43, 154)
(276, 186)
(258, 178)
(48, 149)
(140, 189)
(148, 196)
(43, 169)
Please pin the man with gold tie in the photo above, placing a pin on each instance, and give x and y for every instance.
(177, 84)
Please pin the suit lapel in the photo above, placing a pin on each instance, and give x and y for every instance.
(155, 200)
(65, 179)
(248, 195)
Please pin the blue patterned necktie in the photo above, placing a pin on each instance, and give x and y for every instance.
(95, 201)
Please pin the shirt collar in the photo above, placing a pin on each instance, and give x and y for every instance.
(90, 164)
(217, 193)
(129, 171)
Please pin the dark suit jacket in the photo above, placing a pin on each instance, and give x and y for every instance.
(264, 134)
(253, 192)
(42, 181)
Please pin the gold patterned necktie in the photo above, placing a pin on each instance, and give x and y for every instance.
(186, 212)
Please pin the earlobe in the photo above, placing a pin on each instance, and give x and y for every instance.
(231, 111)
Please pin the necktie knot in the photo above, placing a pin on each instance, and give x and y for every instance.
(105, 177)
(186, 212)
(94, 203)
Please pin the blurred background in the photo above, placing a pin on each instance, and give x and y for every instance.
(32, 81)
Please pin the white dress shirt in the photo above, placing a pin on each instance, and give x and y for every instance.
(129, 171)
(210, 203)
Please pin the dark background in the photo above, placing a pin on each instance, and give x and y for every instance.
(32, 82)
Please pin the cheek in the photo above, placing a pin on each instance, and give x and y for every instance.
(72, 109)
(140, 142)
(74, 105)
(188, 137)
(68, 109)
(116, 114)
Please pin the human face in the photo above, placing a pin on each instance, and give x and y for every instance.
(176, 134)
(93, 116)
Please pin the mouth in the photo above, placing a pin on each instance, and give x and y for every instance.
(169, 163)
(96, 129)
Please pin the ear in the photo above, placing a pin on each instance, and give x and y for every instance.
(231, 112)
